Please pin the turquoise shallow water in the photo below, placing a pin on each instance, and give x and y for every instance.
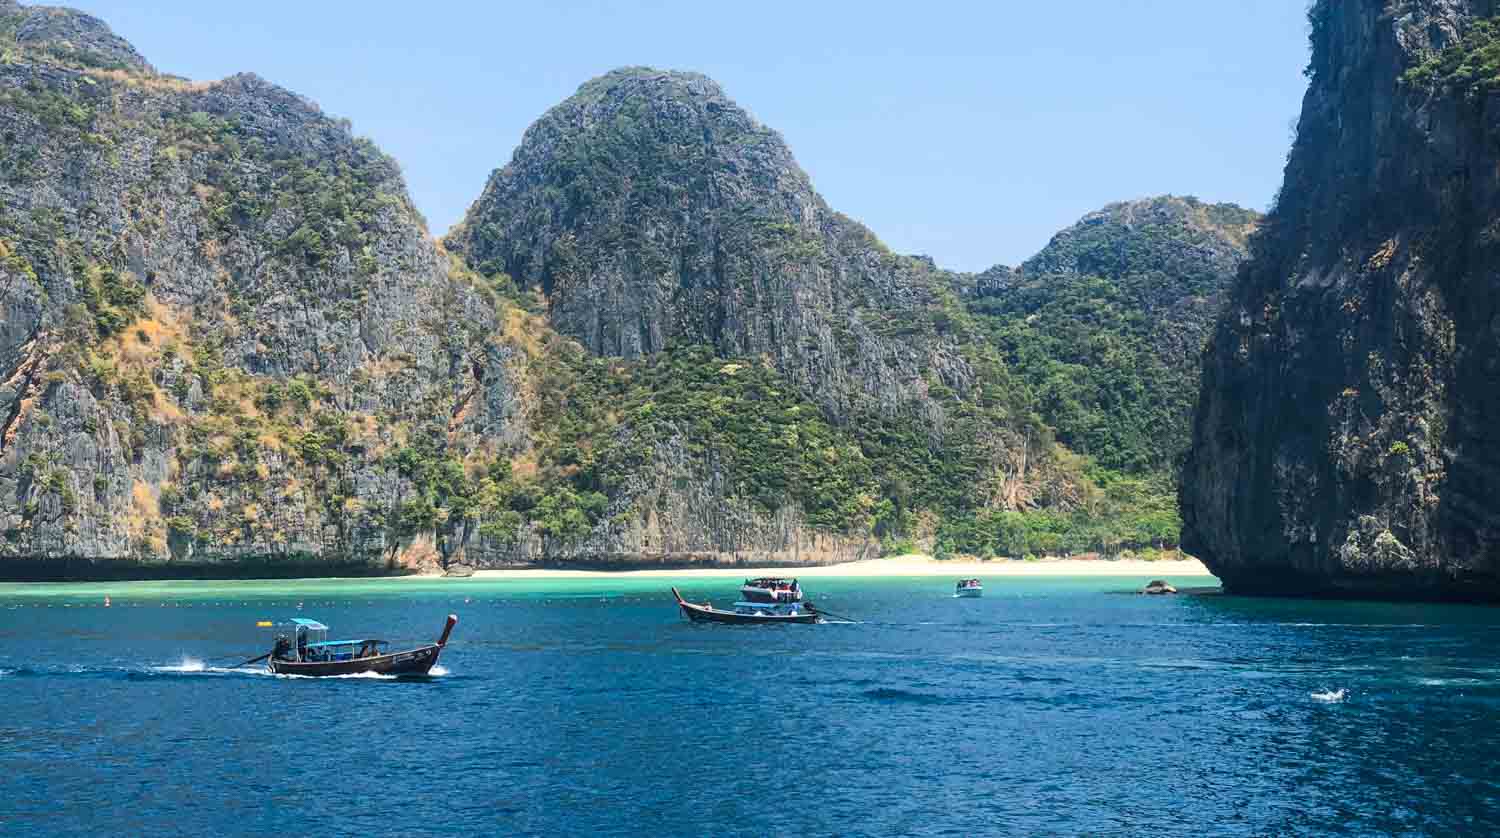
(1050, 706)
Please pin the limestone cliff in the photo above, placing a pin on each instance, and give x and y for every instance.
(656, 222)
(228, 344)
(652, 211)
(219, 313)
(1345, 438)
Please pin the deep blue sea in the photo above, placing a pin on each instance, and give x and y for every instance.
(588, 707)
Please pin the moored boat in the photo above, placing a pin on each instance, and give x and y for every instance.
(751, 613)
(771, 590)
(307, 651)
(969, 588)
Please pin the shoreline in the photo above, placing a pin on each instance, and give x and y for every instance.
(910, 566)
(899, 566)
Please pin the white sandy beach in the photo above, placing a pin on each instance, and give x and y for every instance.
(895, 566)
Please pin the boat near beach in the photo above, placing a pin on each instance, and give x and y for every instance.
(791, 612)
(302, 647)
(969, 588)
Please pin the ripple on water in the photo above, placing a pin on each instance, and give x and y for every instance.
(1451, 682)
(890, 695)
(600, 717)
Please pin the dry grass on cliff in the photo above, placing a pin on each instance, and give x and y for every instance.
(145, 511)
(161, 84)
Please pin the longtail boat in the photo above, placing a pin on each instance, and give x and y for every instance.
(750, 613)
(307, 651)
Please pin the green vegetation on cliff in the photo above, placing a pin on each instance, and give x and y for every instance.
(1106, 325)
(1470, 66)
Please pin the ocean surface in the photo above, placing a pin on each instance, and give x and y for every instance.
(589, 707)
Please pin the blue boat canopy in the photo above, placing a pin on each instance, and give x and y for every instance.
(312, 625)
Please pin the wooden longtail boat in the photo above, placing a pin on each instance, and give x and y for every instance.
(750, 613)
(308, 654)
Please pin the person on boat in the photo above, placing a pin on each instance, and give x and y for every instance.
(283, 649)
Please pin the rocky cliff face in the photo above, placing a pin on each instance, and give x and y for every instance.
(229, 345)
(659, 224)
(219, 314)
(1345, 438)
(655, 212)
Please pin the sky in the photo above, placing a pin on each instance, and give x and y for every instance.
(968, 131)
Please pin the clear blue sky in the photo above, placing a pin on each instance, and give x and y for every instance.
(970, 131)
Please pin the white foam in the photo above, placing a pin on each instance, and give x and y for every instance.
(187, 665)
(1330, 697)
(438, 669)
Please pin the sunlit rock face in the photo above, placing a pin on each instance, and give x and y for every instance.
(219, 314)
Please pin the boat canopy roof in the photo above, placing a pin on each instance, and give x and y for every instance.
(345, 643)
(313, 625)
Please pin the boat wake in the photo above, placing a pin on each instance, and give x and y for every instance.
(186, 668)
(193, 666)
(1330, 696)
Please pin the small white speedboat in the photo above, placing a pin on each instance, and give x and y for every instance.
(969, 588)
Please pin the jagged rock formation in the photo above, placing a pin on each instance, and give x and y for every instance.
(1345, 439)
(228, 344)
(218, 312)
(654, 212)
(66, 35)
(655, 218)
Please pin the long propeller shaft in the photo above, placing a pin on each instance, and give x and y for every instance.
(253, 660)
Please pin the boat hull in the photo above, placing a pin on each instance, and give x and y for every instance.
(410, 662)
(969, 593)
(699, 614)
(705, 614)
